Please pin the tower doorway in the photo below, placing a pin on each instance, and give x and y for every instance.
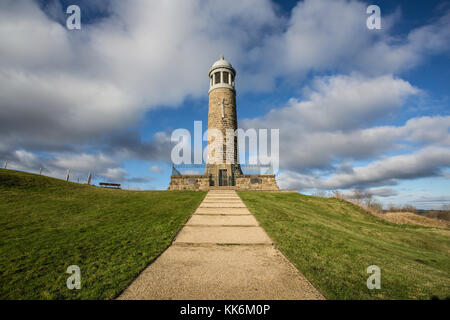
(223, 179)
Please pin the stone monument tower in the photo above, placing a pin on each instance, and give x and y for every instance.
(222, 164)
(222, 167)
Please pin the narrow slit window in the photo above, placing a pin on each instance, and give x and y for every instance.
(216, 77)
(225, 77)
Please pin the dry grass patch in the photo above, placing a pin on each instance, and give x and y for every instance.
(414, 219)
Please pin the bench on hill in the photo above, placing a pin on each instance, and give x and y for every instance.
(110, 185)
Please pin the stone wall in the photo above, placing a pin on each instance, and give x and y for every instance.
(262, 182)
(257, 182)
(216, 121)
(191, 182)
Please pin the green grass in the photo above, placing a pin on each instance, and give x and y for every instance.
(112, 235)
(332, 242)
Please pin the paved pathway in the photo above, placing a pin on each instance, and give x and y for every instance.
(221, 253)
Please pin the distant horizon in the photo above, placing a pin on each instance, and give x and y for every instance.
(128, 188)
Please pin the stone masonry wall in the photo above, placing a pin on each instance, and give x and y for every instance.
(261, 182)
(191, 182)
(229, 121)
(257, 182)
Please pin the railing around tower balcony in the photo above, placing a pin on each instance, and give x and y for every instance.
(188, 169)
(257, 169)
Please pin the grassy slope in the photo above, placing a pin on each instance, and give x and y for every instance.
(333, 242)
(48, 224)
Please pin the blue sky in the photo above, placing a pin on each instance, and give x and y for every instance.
(356, 108)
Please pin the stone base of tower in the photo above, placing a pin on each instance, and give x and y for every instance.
(262, 182)
(189, 182)
(250, 182)
(222, 175)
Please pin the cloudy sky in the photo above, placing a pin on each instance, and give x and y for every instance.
(356, 108)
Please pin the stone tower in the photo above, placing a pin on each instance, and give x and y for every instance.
(222, 168)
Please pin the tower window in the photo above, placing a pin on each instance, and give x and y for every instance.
(225, 77)
(232, 79)
(216, 77)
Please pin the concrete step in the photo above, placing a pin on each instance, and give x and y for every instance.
(221, 196)
(222, 205)
(222, 200)
(222, 235)
(222, 211)
(204, 220)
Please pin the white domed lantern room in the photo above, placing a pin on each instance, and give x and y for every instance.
(221, 75)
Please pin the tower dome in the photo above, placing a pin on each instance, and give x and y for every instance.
(221, 63)
(221, 74)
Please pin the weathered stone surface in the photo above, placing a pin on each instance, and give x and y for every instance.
(256, 182)
(189, 182)
(261, 182)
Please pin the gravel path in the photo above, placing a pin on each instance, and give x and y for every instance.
(221, 253)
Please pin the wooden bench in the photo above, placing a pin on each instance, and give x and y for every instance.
(110, 185)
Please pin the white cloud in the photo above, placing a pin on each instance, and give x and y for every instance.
(80, 165)
(429, 130)
(156, 169)
(84, 162)
(331, 122)
(326, 35)
(25, 159)
(328, 130)
(118, 174)
(427, 162)
(342, 102)
(59, 86)
(382, 192)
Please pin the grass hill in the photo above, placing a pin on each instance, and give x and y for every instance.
(332, 242)
(48, 224)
